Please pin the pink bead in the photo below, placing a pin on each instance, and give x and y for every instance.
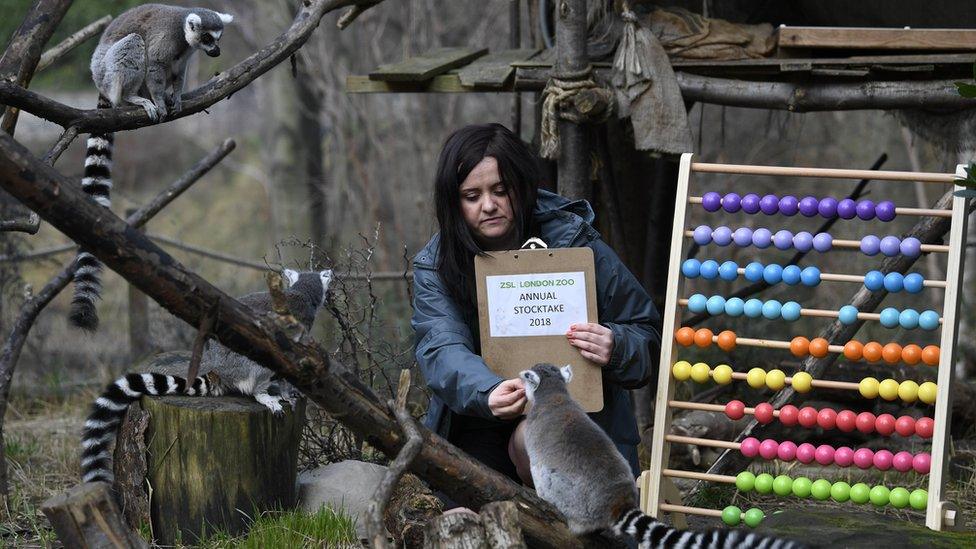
(864, 458)
(843, 456)
(865, 422)
(768, 449)
(883, 459)
(807, 416)
(902, 462)
(735, 409)
(750, 447)
(846, 420)
(922, 463)
(788, 415)
(786, 451)
(764, 413)
(827, 418)
(885, 424)
(805, 453)
(924, 427)
(905, 426)
(825, 454)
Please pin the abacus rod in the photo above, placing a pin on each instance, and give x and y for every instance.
(924, 212)
(831, 173)
(694, 475)
(819, 313)
(826, 384)
(703, 442)
(703, 407)
(856, 245)
(671, 508)
(835, 277)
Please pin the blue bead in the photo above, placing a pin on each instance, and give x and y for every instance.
(847, 314)
(691, 268)
(810, 276)
(696, 303)
(773, 273)
(715, 305)
(734, 306)
(762, 238)
(791, 274)
(928, 320)
(772, 309)
(702, 235)
(908, 319)
(722, 236)
(874, 280)
(914, 283)
(889, 317)
(709, 269)
(791, 311)
(728, 271)
(753, 308)
(894, 282)
(754, 271)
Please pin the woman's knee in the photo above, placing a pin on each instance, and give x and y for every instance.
(518, 454)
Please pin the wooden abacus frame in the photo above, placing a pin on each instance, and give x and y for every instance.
(655, 484)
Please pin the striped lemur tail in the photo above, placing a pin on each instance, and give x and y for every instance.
(108, 411)
(652, 533)
(97, 183)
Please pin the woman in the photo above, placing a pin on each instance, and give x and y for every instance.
(487, 198)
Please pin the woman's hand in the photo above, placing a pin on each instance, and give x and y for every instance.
(507, 400)
(594, 341)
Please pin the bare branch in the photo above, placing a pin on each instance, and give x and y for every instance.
(29, 225)
(57, 52)
(347, 18)
(59, 147)
(38, 254)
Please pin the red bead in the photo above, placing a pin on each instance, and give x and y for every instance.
(846, 420)
(769, 449)
(902, 462)
(807, 416)
(750, 447)
(827, 418)
(924, 427)
(885, 424)
(865, 422)
(735, 409)
(922, 463)
(764, 413)
(788, 415)
(883, 459)
(805, 453)
(905, 426)
(825, 454)
(843, 456)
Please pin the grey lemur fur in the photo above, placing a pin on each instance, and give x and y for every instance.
(576, 467)
(141, 59)
(222, 371)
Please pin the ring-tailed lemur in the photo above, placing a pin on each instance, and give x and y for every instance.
(222, 371)
(576, 467)
(141, 59)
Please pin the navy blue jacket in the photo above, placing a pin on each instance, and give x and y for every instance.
(446, 335)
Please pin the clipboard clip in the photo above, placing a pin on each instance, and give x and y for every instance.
(534, 243)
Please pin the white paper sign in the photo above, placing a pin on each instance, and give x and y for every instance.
(540, 304)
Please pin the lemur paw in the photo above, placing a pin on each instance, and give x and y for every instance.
(272, 403)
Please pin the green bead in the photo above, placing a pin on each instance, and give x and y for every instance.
(783, 485)
(754, 517)
(879, 496)
(764, 483)
(802, 487)
(731, 515)
(860, 493)
(745, 481)
(840, 492)
(919, 499)
(820, 490)
(899, 498)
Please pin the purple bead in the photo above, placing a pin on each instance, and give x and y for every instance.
(911, 247)
(890, 246)
(885, 210)
(828, 207)
(732, 202)
(762, 238)
(769, 204)
(742, 237)
(722, 236)
(847, 209)
(823, 242)
(870, 245)
(712, 201)
(750, 203)
(865, 210)
(803, 241)
(783, 239)
(703, 235)
(809, 206)
(789, 205)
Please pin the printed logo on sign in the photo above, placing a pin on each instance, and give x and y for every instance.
(540, 304)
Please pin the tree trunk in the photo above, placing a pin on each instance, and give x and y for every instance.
(500, 520)
(310, 141)
(455, 531)
(86, 517)
(574, 155)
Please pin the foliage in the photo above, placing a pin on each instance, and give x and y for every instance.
(969, 181)
(325, 528)
(966, 89)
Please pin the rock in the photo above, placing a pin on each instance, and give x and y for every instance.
(347, 485)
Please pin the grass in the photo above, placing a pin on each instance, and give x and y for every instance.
(326, 528)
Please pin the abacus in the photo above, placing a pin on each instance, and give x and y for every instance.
(658, 493)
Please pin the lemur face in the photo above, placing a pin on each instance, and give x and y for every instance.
(314, 284)
(203, 30)
(534, 377)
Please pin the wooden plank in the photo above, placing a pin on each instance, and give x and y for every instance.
(866, 38)
(427, 65)
(443, 83)
(495, 69)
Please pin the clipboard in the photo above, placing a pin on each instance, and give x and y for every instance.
(526, 299)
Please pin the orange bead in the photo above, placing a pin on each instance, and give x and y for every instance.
(726, 340)
(703, 337)
(685, 336)
(930, 355)
(891, 353)
(911, 354)
(800, 346)
(873, 351)
(853, 350)
(819, 347)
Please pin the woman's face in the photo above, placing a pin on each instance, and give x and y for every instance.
(486, 208)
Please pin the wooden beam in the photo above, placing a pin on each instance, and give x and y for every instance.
(866, 38)
(427, 65)
(573, 161)
(494, 70)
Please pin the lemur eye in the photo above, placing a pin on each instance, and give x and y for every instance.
(207, 39)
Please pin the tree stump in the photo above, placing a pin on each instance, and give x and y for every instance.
(87, 517)
(455, 531)
(216, 463)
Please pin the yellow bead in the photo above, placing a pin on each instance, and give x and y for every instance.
(756, 378)
(681, 370)
(722, 374)
(927, 392)
(888, 389)
(908, 391)
(700, 372)
(868, 387)
(775, 379)
(802, 382)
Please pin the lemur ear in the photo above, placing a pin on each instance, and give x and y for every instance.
(567, 372)
(291, 276)
(225, 17)
(326, 277)
(529, 377)
(193, 22)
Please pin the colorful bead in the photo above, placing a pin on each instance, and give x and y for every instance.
(753, 517)
(788, 414)
(847, 314)
(722, 236)
(922, 463)
(868, 387)
(703, 337)
(894, 282)
(819, 347)
(745, 481)
(924, 426)
(853, 350)
(902, 462)
(823, 242)
(918, 499)
(928, 320)
(731, 202)
(870, 245)
(691, 268)
(873, 351)
(756, 378)
(827, 207)
(754, 271)
(709, 269)
(742, 237)
(827, 418)
(768, 449)
(791, 311)
(846, 421)
(699, 372)
(931, 353)
(681, 370)
(898, 497)
(885, 210)
(696, 303)
(769, 204)
(726, 340)
(775, 379)
(802, 487)
(803, 241)
(789, 205)
(808, 206)
(890, 246)
(889, 317)
(783, 239)
(802, 382)
(911, 247)
(731, 515)
(820, 490)
(685, 336)
(860, 493)
(807, 416)
(879, 496)
(735, 409)
(865, 210)
(873, 280)
(782, 485)
(891, 353)
(786, 451)
(914, 283)
(728, 271)
(749, 447)
(771, 309)
(764, 483)
(863, 458)
(805, 453)
(840, 492)
(825, 454)
(712, 201)
(764, 413)
(843, 456)
(750, 203)
(865, 422)
(702, 235)
(888, 389)
(883, 459)
(800, 346)
(734, 306)
(908, 391)
(762, 238)
(715, 305)
(885, 424)
(773, 273)
(846, 209)
(791, 275)
(810, 276)
(753, 308)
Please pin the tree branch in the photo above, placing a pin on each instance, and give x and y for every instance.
(29, 225)
(57, 52)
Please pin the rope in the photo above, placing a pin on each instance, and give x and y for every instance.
(559, 96)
